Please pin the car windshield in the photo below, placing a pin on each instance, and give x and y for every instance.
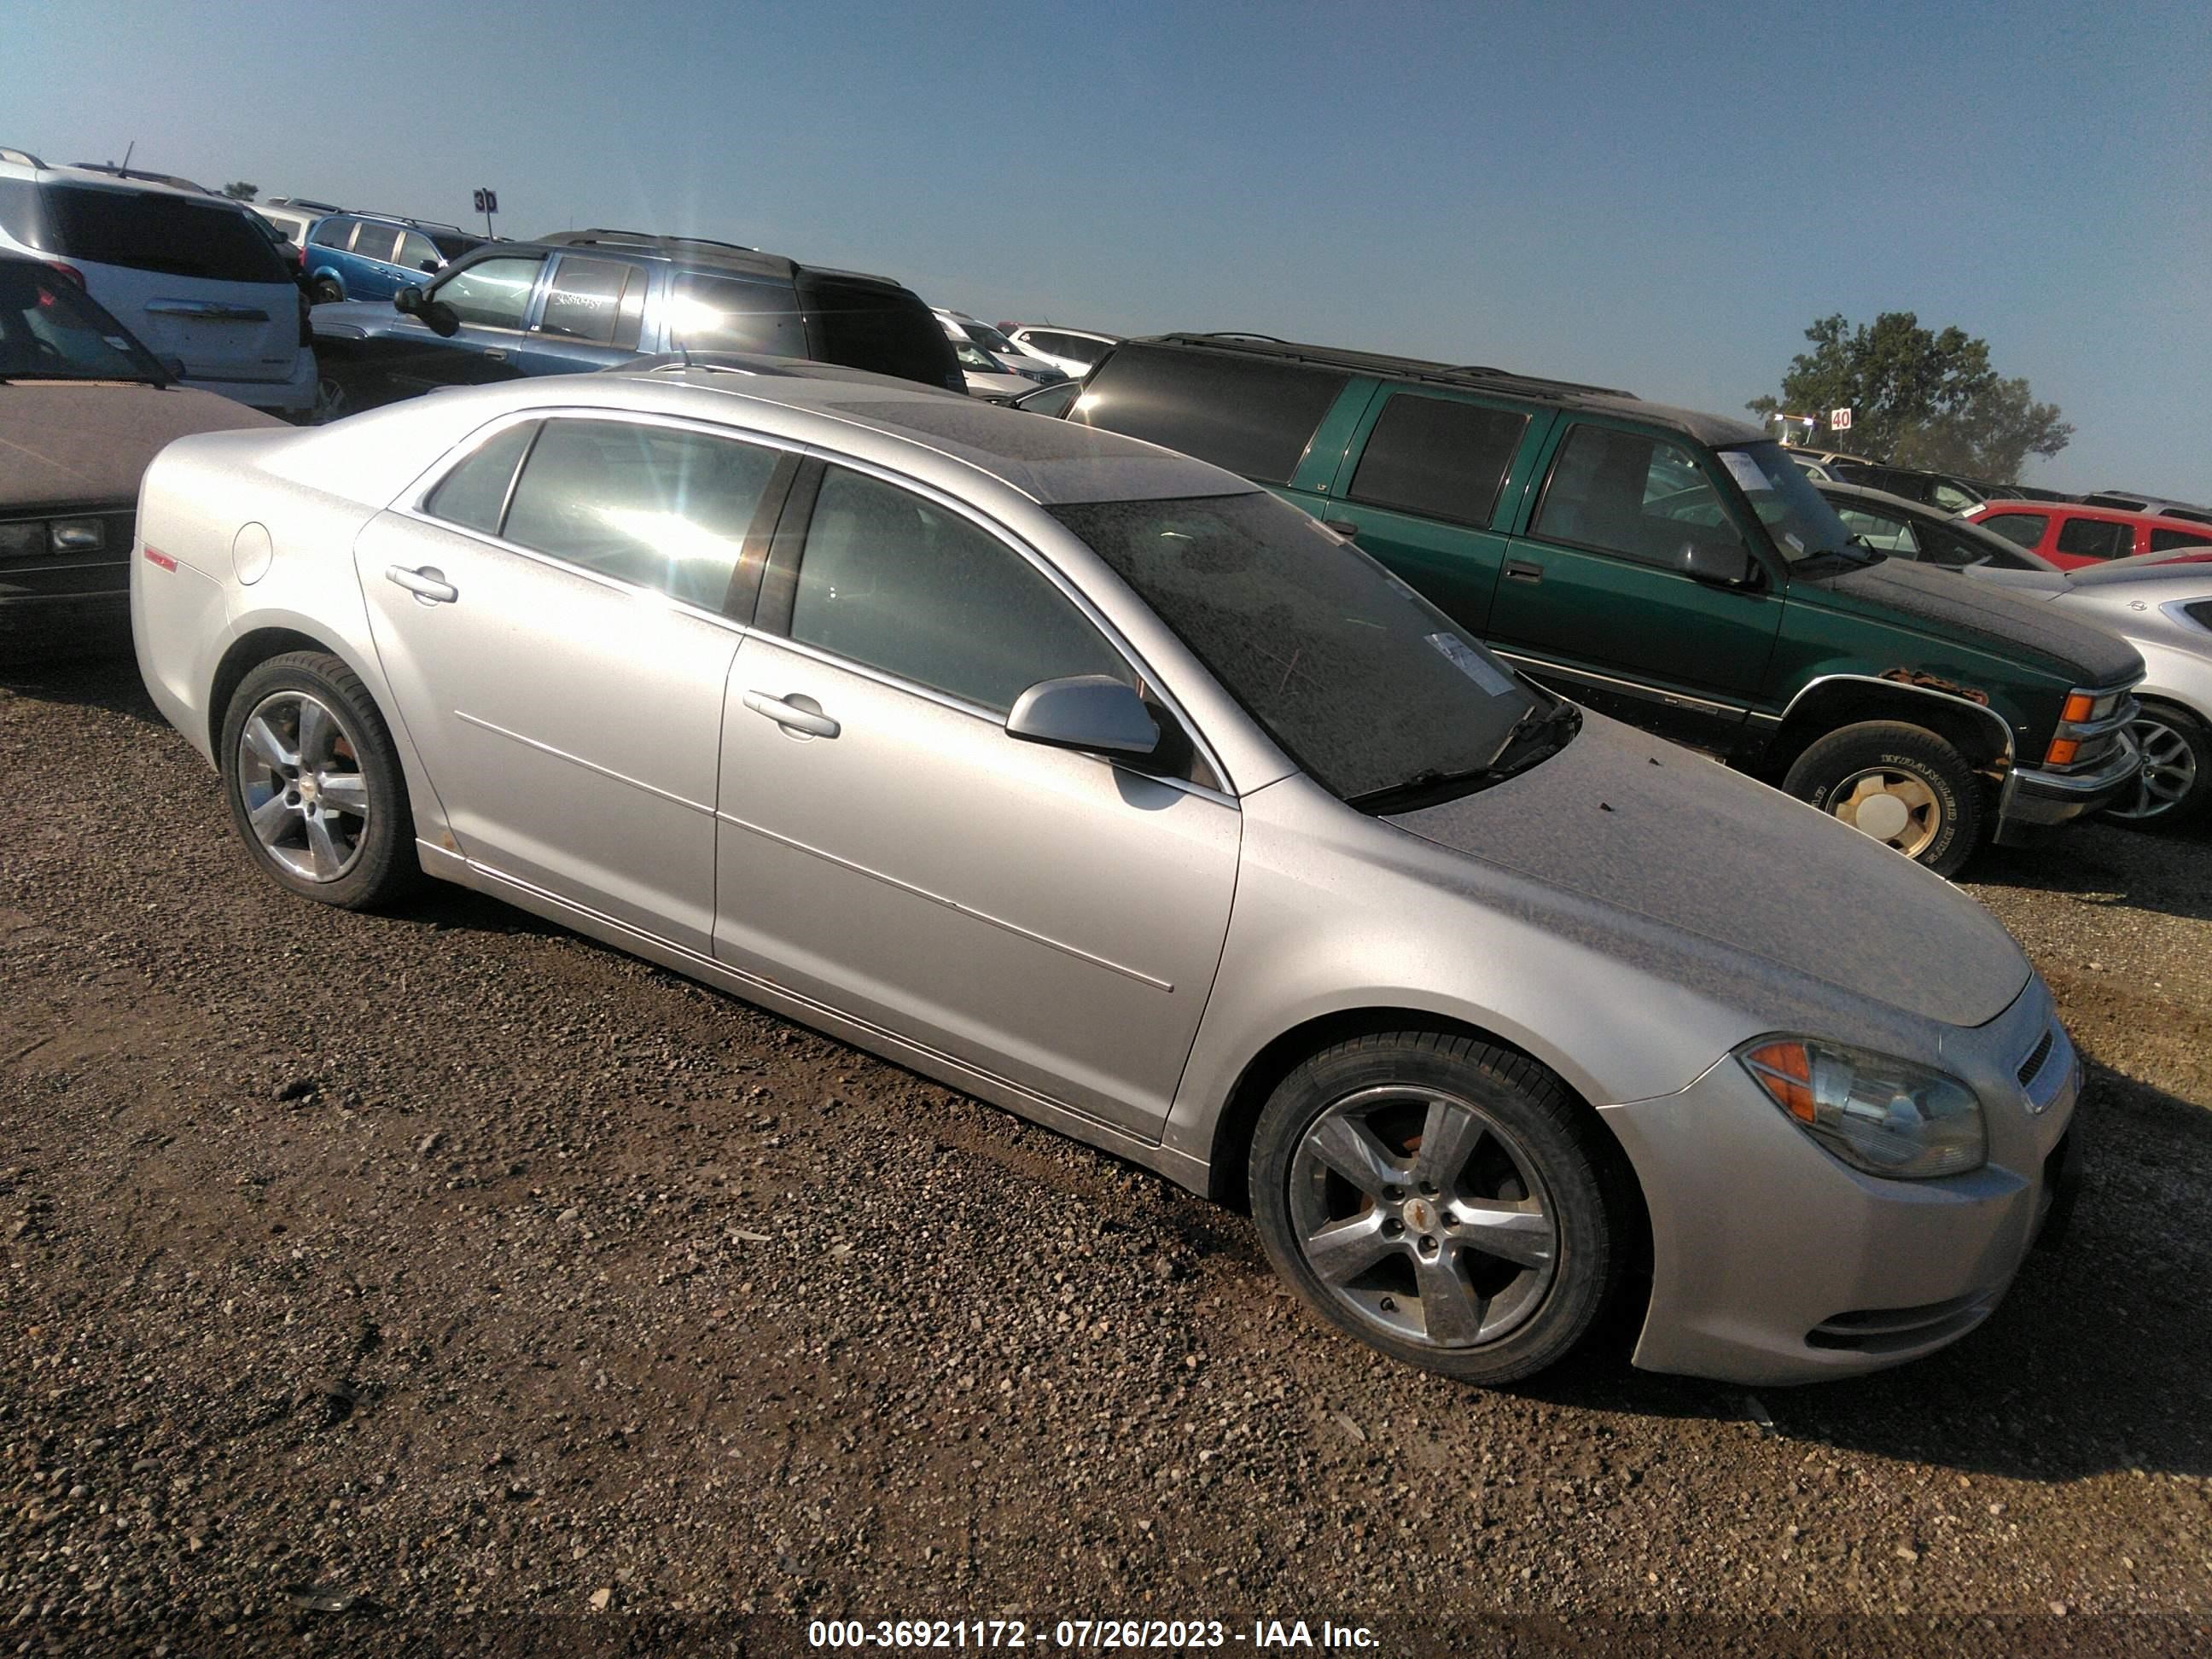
(972, 355)
(984, 335)
(51, 330)
(1375, 693)
(1802, 525)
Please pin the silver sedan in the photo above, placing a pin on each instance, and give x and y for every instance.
(1091, 780)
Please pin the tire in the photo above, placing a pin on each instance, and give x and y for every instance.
(2175, 785)
(334, 400)
(1488, 1295)
(1843, 773)
(336, 829)
(327, 291)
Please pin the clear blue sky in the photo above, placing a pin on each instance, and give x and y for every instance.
(1655, 197)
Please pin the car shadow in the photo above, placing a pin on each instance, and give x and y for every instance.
(100, 674)
(2094, 1364)
(2109, 865)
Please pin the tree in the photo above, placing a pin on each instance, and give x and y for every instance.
(239, 191)
(1919, 398)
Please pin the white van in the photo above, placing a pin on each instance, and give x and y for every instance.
(190, 273)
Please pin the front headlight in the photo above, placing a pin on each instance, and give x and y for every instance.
(1884, 1115)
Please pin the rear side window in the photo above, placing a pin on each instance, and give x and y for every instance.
(1250, 415)
(878, 326)
(1626, 492)
(901, 585)
(2020, 529)
(1439, 457)
(474, 494)
(597, 302)
(653, 506)
(2165, 541)
(174, 235)
(492, 292)
(2095, 538)
(721, 314)
(377, 241)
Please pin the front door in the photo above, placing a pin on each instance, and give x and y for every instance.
(560, 658)
(888, 850)
(1593, 599)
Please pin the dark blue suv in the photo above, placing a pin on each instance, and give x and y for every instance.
(372, 256)
(590, 299)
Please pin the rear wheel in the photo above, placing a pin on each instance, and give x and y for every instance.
(315, 785)
(1444, 1200)
(2176, 779)
(1901, 784)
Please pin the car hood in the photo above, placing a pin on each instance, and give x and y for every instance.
(1639, 823)
(88, 443)
(1980, 614)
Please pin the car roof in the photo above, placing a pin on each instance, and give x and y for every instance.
(1882, 498)
(2148, 566)
(700, 252)
(22, 163)
(2105, 514)
(1049, 461)
(1561, 394)
(401, 219)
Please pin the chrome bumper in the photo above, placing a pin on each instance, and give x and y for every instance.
(2034, 797)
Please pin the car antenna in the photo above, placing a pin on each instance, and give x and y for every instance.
(125, 169)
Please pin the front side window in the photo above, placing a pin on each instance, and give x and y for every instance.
(2020, 529)
(597, 302)
(474, 494)
(1631, 494)
(902, 586)
(2095, 538)
(1373, 691)
(1881, 531)
(1439, 457)
(418, 253)
(492, 292)
(1249, 415)
(656, 507)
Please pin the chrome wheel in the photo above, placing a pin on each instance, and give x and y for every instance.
(1423, 1215)
(1893, 805)
(299, 776)
(2168, 775)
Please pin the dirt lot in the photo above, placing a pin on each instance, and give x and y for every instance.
(451, 1261)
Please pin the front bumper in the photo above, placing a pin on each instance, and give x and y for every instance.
(2033, 798)
(1774, 1261)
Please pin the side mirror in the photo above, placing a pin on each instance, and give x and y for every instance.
(428, 264)
(1095, 713)
(408, 302)
(173, 367)
(1723, 562)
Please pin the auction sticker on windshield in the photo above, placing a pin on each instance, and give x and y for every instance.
(1469, 662)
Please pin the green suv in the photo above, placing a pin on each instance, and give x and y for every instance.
(1671, 568)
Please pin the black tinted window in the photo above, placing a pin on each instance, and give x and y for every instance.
(599, 301)
(876, 326)
(377, 241)
(1253, 416)
(474, 494)
(650, 505)
(1628, 493)
(2095, 538)
(1361, 681)
(2165, 541)
(720, 313)
(2020, 529)
(1431, 455)
(175, 235)
(417, 252)
(492, 292)
(333, 232)
(901, 585)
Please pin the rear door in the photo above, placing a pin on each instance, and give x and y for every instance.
(1426, 471)
(192, 278)
(1591, 599)
(590, 317)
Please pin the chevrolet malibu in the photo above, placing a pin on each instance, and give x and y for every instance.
(1095, 781)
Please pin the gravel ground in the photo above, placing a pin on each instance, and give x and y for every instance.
(447, 1260)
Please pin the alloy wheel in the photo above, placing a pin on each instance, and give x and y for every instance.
(299, 776)
(1423, 1215)
(2168, 775)
(1896, 808)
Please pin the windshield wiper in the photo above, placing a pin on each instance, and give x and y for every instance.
(1562, 717)
(1426, 787)
(1431, 786)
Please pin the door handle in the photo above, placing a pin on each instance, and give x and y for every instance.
(429, 584)
(1343, 527)
(497, 353)
(1522, 571)
(814, 723)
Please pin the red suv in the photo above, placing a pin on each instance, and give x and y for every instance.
(2071, 537)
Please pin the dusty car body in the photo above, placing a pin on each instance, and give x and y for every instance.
(1482, 1048)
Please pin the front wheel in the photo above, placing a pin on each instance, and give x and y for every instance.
(326, 292)
(2176, 779)
(1443, 1200)
(315, 785)
(1902, 784)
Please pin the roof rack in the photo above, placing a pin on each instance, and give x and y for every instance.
(402, 219)
(303, 202)
(21, 158)
(1404, 368)
(640, 238)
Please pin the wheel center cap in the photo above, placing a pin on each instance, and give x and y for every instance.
(307, 789)
(1420, 1215)
(1883, 817)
